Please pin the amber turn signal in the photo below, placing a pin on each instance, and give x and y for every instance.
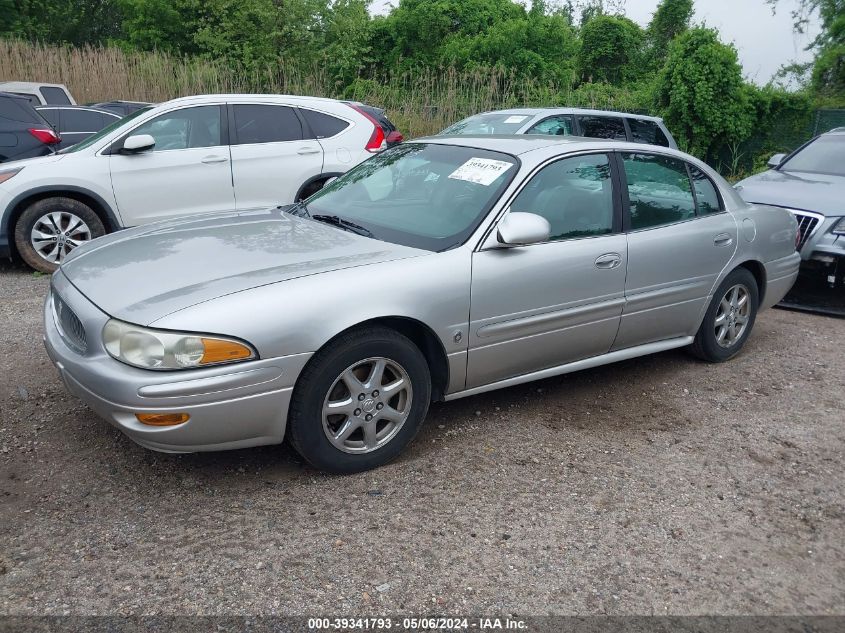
(162, 419)
(220, 351)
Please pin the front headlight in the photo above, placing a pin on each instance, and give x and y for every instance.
(158, 349)
(839, 227)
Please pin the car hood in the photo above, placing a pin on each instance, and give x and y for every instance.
(25, 162)
(143, 274)
(811, 192)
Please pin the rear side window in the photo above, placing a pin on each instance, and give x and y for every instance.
(659, 190)
(323, 125)
(18, 110)
(53, 116)
(82, 121)
(54, 96)
(603, 127)
(644, 131)
(706, 196)
(266, 124)
(561, 125)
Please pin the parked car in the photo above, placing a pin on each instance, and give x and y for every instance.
(619, 126)
(439, 269)
(186, 156)
(39, 93)
(121, 108)
(810, 183)
(391, 134)
(76, 123)
(24, 133)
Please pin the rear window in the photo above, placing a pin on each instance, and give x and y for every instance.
(266, 124)
(54, 96)
(323, 125)
(18, 110)
(644, 131)
(603, 127)
(491, 123)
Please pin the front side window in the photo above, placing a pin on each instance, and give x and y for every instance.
(489, 123)
(644, 131)
(658, 189)
(188, 128)
(255, 123)
(422, 195)
(825, 155)
(574, 194)
(556, 125)
(603, 127)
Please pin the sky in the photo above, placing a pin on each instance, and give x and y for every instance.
(764, 41)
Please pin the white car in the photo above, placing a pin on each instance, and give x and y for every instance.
(187, 156)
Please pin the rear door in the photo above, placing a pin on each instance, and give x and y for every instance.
(593, 126)
(272, 156)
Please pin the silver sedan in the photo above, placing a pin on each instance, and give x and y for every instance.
(438, 269)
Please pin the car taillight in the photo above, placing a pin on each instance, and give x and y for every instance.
(377, 140)
(395, 137)
(45, 135)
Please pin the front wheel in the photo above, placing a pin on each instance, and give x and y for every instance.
(729, 318)
(360, 401)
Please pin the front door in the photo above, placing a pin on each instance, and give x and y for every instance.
(543, 305)
(188, 171)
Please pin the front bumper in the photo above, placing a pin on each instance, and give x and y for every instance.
(230, 406)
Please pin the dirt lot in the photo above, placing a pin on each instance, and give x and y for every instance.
(656, 486)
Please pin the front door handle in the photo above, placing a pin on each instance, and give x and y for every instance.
(609, 260)
(210, 160)
(723, 239)
(308, 150)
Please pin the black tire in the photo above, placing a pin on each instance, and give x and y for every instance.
(305, 419)
(706, 345)
(41, 210)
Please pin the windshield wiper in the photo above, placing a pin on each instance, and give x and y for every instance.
(336, 220)
(299, 209)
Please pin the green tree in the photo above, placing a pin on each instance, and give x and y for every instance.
(62, 21)
(611, 49)
(671, 18)
(701, 93)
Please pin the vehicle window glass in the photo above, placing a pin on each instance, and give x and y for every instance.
(825, 155)
(323, 125)
(574, 194)
(81, 121)
(422, 195)
(266, 124)
(18, 110)
(603, 127)
(491, 123)
(31, 98)
(556, 125)
(187, 128)
(111, 127)
(658, 189)
(644, 131)
(52, 115)
(54, 96)
(705, 192)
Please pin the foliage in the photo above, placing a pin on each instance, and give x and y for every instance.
(671, 18)
(610, 47)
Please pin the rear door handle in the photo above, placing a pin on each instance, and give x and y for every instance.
(210, 160)
(608, 260)
(308, 150)
(723, 239)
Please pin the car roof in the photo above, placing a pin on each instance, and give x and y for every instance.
(27, 85)
(218, 97)
(565, 110)
(837, 131)
(516, 144)
(53, 106)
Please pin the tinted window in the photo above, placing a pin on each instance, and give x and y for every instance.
(825, 155)
(54, 96)
(323, 125)
(31, 98)
(266, 124)
(111, 127)
(575, 195)
(52, 115)
(81, 121)
(184, 129)
(18, 110)
(492, 123)
(556, 125)
(603, 127)
(658, 189)
(706, 196)
(643, 131)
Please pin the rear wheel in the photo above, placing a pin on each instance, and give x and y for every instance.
(51, 228)
(729, 318)
(360, 401)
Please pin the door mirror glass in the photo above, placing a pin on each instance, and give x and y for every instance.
(138, 143)
(519, 229)
(776, 160)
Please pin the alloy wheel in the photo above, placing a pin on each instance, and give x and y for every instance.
(732, 315)
(57, 233)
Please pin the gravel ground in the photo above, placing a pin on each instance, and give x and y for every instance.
(660, 485)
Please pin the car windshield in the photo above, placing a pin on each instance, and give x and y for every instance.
(825, 155)
(88, 142)
(491, 123)
(422, 195)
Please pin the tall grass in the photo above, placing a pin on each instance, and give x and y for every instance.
(420, 103)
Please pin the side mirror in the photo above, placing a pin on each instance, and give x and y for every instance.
(775, 160)
(519, 229)
(138, 143)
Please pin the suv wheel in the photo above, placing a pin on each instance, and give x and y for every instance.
(51, 228)
(729, 318)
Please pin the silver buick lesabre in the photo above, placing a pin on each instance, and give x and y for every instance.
(438, 269)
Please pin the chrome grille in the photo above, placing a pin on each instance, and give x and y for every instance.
(69, 326)
(807, 225)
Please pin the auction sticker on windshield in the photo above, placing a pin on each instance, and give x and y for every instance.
(517, 118)
(481, 171)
